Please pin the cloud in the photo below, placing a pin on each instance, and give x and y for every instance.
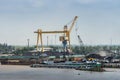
(37, 3)
(87, 1)
(18, 4)
(94, 1)
(21, 6)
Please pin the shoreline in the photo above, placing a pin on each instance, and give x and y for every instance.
(15, 68)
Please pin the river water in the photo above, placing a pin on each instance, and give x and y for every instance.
(10, 72)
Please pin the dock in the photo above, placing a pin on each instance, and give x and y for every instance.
(111, 65)
(77, 66)
(61, 65)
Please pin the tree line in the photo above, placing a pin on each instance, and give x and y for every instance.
(94, 49)
(5, 48)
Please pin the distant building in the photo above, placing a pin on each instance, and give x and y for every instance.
(6, 55)
(40, 49)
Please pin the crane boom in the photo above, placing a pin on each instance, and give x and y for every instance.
(73, 23)
(80, 41)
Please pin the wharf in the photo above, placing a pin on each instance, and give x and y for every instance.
(67, 66)
(111, 65)
(77, 66)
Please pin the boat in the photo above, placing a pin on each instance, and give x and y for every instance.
(91, 66)
(88, 66)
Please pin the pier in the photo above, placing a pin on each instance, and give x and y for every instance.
(111, 65)
(77, 66)
(67, 66)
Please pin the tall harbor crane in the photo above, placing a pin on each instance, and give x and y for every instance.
(68, 31)
(80, 40)
(64, 38)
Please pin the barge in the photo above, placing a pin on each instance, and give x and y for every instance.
(78, 66)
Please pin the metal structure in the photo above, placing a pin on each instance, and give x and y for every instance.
(80, 40)
(66, 33)
(28, 40)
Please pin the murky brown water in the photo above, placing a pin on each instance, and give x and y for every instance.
(10, 72)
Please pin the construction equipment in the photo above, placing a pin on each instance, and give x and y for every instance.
(80, 40)
(67, 34)
(64, 38)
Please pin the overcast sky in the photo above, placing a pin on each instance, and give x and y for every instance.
(98, 22)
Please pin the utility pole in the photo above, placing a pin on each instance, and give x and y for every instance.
(47, 40)
(28, 40)
(55, 40)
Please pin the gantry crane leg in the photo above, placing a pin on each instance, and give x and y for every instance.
(69, 41)
(38, 38)
(41, 42)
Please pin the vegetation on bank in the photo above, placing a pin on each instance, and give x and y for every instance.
(23, 50)
(5, 48)
(9, 49)
(93, 49)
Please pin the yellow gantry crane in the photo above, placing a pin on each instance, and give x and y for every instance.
(66, 33)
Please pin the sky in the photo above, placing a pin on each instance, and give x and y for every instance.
(98, 21)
